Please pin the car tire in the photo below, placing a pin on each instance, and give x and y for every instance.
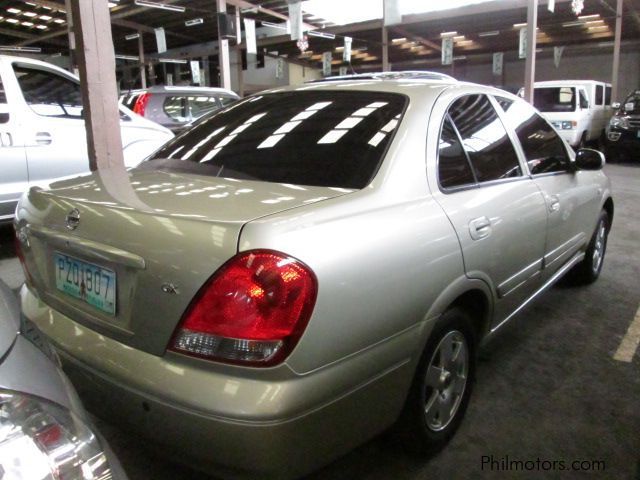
(589, 269)
(611, 155)
(441, 388)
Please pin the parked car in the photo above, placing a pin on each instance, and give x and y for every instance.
(579, 109)
(177, 107)
(42, 132)
(44, 430)
(623, 131)
(304, 269)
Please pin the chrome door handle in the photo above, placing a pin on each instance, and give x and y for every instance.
(43, 138)
(480, 228)
(554, 204)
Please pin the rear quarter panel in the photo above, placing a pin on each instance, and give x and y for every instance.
(382, 255)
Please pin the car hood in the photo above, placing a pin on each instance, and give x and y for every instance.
(9, 319)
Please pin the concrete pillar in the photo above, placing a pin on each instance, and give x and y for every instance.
(73, 64)
(97, 65)
(223, 51)
(204, 73)
(616, 54)
(143, 76)
(239, 59)
(530, 62)
(385, 49)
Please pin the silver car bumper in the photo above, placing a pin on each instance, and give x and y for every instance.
(279, 425)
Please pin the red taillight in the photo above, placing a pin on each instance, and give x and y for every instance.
(141, 104)
(252, 310)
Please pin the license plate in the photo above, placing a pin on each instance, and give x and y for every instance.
(90, 283)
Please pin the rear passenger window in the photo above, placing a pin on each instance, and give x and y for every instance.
(599, 94)
(48, 93)
(607, 95)
(176, 108)
(543, 148)
(199, 106)
(453, 165)
(3, 97)
(484, 139)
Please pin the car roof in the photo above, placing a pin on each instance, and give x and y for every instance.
(550, 83)
(185, 89)
(412, 74)
(33, 61)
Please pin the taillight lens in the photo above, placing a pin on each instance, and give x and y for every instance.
(253, 310)
(141, 104)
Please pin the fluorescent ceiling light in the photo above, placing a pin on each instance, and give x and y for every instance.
(573, 24)
(589, 17)
(279, 26)
(448, 34)
(13, 10)
(171, 60)
(10, 48)
(132, 36)
(492, 33)
(29, 14)
(45, 17)
(12, 20)
(161, 6)
(127, 57)
(519, 25)
(41, 27)
(315, 33)
(193, 21)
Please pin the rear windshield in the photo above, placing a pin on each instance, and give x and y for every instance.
(555, 99)
(323, 138)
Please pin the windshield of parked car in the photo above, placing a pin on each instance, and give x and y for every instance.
(632, 103)
(320, 138)
(555, 99)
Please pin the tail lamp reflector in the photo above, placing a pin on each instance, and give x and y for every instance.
(253, 310)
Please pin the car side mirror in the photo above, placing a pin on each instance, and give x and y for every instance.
(589, 159)
(615, 105)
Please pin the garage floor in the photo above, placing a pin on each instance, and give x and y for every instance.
(548, 388)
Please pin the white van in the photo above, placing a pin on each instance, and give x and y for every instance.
(42, 132)
(579, 109)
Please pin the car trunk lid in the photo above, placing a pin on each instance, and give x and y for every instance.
(160, 235)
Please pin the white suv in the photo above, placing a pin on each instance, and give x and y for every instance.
(42, 132)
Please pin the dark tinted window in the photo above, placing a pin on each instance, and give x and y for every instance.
(453, 166)
(542, 146)
(48, 93)
(335, 139)
(607, 96)
(599, 94)
(555, 99)
(484, 138)
(4, 115)
(584, 103)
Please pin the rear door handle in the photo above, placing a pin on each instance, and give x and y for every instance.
(480, 228)
(554, 203)
(43, 138)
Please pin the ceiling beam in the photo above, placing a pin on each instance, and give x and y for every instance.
(416, 38)
(14, 33)
(116, 19)
(266, 11)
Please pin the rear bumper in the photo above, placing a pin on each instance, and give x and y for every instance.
(278, 425)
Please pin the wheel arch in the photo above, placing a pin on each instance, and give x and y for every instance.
(472, 295)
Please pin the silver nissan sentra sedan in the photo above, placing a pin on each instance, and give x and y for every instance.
(310, 266)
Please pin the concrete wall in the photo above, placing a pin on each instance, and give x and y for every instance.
(573, 65)
(256, 79)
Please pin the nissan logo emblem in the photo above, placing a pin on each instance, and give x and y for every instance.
(73, 219)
